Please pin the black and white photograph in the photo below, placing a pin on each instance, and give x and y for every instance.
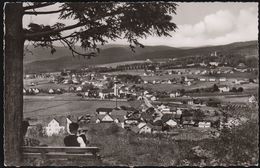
(130, 83)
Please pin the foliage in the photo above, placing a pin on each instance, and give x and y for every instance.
(100, 22)
(215, 88)
(127, 78)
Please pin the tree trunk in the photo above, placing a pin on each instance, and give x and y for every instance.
(13, 83)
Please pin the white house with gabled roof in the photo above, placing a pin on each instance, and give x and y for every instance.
(54, 127)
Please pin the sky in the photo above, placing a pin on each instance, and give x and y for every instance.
(199, 24)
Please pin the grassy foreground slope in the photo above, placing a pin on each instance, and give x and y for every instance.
(237, 146)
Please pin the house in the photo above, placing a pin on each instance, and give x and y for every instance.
(203, 64)
(24, 91)
(105, 92)
(145, 82)
(131, 121)
(223, 89)
(190, 65)
(54, 127)
(190, 102)
(252, 99)
(202, 79)
(71, 88)
(153, 98)
(146, 92)
(171, 123)
(175, 94)
(189, 83)
(179, 112)
(188, 123)
(118, 119)
(75, 81)
(214, 54)
(141, 124)
(147, 128)
(238, 82)
(204, 124)
(36, 91)
(104, 119)
(214, 63)
(135, 129)
(212, 79)
(51, 91)
(104, 111)
(79, 89)
(166, 110)
(241, 65)
(197, 72)
(204, 72)
(222, 79)
(86, 94)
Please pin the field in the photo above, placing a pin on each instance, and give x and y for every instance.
(62, 105)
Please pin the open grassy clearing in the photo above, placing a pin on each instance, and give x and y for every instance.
(41, 108)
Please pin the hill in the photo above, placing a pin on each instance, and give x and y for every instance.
(42, 60)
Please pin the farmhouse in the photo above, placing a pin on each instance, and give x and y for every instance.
(105, 92)
(224, 89)
(202, 79)
(147, 128)
(212, 79)
(171, 123)
(104, 119)
(153, 98)
(204, 124)
(190, 102)
(104, 111)
(203, 64)
(79, 89)
(51, 91)
(54, 127)
(175, 94)
(222, 79)
(214, 63)
(252, 99)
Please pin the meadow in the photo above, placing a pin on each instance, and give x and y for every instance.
(62, 105)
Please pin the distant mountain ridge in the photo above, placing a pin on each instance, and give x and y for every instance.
(42, 60)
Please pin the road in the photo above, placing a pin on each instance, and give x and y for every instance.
(149, 104)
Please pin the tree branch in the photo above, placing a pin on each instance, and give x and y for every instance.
(89, 55)
(38, 5)
(40, 34)
(45, 33)
(41, 12)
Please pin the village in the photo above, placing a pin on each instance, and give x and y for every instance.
(146, 98)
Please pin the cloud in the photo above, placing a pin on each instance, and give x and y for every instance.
(219, 22)
(218, 28)
(221, 27)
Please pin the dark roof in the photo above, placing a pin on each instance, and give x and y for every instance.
(177, 116)
(135, 129)
(146, 116)
(158, 123)
(119, 112)
(104, 109)
(166, 117)
(119, 117)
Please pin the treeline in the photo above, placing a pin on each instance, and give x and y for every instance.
(126, 78)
